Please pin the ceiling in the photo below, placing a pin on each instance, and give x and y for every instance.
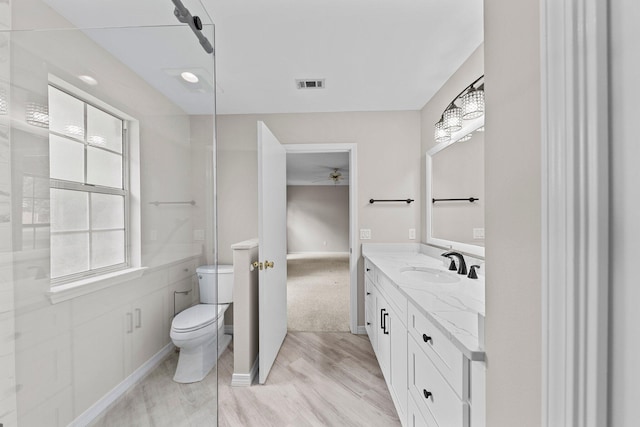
(315, 168)
(375, 55)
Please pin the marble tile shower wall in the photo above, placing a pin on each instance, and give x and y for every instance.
(51, 349)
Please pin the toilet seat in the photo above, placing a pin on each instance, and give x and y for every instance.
(197, 317)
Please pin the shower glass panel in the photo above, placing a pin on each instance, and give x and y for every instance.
(107, 206)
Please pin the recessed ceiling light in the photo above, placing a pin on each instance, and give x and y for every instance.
(88, 80)
(189, 77)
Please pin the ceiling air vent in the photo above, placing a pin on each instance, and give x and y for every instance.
(310, 84)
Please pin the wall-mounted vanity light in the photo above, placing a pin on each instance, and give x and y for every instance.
(4, 103)
(37, 114)
(467, 105)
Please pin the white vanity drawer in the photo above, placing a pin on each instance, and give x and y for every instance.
(182, 271)
(416, 418)
(444, 355)
(431, 393)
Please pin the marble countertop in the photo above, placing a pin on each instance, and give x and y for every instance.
(452, 307)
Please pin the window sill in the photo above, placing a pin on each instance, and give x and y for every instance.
(86, 286)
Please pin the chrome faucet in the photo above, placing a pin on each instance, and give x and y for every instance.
(462, 266)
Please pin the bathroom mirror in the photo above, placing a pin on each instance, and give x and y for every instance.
(455, 191)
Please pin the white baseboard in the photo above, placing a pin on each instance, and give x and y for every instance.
(111, 397)
(362, 330)
(245, 380)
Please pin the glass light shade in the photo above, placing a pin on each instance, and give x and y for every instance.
(4, 108)
(473, 104)
(453, 118)
(465, 138)
(441, 133)
(37, 115)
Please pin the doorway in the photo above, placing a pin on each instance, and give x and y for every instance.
(312, 254)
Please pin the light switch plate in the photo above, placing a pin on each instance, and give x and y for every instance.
(478, 233)
(365, 234)
(412, 233)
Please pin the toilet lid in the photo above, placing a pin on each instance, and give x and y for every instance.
(220, 269)
(197, 317)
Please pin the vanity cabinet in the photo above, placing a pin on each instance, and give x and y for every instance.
(370, 313)
(107, 349)
(431, 381)
(149, 333)
(386, 327)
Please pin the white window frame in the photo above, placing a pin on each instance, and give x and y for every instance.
(71, 286)
(89, 189)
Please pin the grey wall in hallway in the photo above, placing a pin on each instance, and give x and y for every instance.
(317, 218)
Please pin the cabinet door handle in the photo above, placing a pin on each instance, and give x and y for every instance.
(129, 322)
(384, 330)
(368, 269)
(368, 293)
(139, 316)
(427, 394)
(382, 310)
(368, 323)
(426, 338)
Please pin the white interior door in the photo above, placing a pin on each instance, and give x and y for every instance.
(272, 232)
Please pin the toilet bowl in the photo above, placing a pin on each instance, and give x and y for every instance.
(199, 330)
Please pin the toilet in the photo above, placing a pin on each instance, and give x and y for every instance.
(199, 330)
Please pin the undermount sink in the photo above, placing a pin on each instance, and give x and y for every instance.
(426, 274)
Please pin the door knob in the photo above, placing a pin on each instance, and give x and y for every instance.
(257, 265)
(268, 264)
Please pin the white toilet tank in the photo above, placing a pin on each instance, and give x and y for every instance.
(207, 284)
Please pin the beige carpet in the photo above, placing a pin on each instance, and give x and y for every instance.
(318, 292)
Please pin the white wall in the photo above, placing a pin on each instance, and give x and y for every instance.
(513, 223)
(317, 218)
(624, 370)
(388, 168)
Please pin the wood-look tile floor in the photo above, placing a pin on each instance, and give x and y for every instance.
(319, 379)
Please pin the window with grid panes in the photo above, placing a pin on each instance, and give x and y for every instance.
(88, 189)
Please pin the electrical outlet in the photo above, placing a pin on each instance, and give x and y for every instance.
(478, 233)
(412, 233)
(365, 234)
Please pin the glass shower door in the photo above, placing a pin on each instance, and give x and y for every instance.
(107, 155)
